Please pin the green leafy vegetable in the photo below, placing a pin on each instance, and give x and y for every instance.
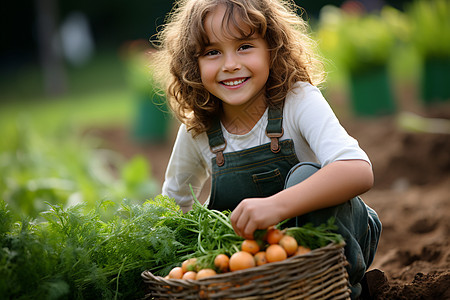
(316, 237)
(79, 254)
(74, 254)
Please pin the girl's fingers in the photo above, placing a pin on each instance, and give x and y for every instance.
(249, 230)
(244, 220)
(241, 224)
(252, 214)
(235, 215)
(239, 220)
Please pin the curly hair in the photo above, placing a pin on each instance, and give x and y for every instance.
(293, 55)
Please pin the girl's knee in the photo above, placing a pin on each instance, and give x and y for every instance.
(300, 172)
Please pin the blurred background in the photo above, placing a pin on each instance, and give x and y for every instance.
(79, 120)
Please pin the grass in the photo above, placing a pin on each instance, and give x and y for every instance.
(96, 108)
(97, 93)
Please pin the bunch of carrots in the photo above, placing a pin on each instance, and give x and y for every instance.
(275, 245)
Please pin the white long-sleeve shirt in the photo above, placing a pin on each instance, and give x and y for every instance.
(307, 119)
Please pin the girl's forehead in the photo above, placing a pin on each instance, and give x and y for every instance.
(221, 25)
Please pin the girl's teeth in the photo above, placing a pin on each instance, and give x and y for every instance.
(236, 82)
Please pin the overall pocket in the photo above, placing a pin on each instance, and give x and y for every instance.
(268, 183)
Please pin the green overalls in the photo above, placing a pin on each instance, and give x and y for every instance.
(267, 169)
(256, 172)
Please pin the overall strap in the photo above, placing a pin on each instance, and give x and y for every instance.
(217, 142)
(274, 129)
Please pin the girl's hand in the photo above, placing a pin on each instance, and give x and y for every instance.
(254, 213)
(344, 180)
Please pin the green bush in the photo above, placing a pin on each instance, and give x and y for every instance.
(430, 27)
(77, 254)
(356, 42)
(65, 167)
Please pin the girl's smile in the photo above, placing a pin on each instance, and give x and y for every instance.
(235, 68)
(234, 83)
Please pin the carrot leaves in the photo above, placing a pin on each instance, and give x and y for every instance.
(316, 236)
(79, 254)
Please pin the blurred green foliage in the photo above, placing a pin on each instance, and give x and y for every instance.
(358, 42)
(49, 151)
(67, 168)
(430, 27)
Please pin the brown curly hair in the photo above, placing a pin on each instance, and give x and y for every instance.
(293, 55)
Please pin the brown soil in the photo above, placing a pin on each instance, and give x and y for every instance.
(411, 195)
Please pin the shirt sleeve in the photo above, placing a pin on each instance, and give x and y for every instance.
(186, 167)
(320, 127)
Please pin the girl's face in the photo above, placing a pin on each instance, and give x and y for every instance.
(234, 69)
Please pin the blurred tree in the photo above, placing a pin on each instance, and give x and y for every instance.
(49, 47)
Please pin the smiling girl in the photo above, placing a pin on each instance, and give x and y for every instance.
(241, 78)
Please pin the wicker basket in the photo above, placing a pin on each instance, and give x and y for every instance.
(319, 274)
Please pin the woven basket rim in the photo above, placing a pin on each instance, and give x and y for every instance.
(313, 253)
(318, 274)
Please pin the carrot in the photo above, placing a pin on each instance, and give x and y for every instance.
(250, 246)
(189, 265)
(274, 235)
(176, 273)
(222, 262)
(260, 258)
(189, 275)
(203, 273)
(275, 253)
(302, 250)
(241, 260)
(289, 244)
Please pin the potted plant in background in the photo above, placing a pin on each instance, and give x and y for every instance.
(152, 120)
(430, 35)
(362, 44)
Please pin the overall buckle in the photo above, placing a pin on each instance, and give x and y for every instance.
(274, 140)
(218, 151)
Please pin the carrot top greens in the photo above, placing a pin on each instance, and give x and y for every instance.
(77, 254)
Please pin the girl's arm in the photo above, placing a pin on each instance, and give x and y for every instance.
(186, 167)
(334, 184)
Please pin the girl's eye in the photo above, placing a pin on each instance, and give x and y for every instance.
(245, 47)
(211, 53)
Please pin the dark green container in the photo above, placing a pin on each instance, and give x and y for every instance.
(371, 94)
(152, 119)
(436, 80)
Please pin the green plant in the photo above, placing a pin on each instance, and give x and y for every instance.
(355, 42)
(76, 253)
(430, 27)
(65, 168)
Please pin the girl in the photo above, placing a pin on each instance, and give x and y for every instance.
(241, 78)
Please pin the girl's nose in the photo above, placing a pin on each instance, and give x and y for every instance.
(231, 63)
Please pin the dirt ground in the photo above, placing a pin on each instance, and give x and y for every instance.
(411, 195)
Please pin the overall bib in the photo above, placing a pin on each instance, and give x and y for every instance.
(267, 169)
(255, 172)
